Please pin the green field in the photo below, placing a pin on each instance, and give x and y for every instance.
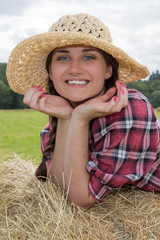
(20, 133)
(158, 114)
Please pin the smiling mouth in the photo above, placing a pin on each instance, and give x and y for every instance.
(77, 82)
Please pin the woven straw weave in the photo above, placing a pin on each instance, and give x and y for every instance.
(26, 65)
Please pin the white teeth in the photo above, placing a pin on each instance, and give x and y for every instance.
(77, 82)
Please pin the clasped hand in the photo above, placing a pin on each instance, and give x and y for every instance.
(60, 108)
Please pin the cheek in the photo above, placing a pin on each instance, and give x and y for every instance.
(52, 73)
(54, 76)
(100, 70)
(56, 85)
(100, 78)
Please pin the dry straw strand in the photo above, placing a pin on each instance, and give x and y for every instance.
(34, 210)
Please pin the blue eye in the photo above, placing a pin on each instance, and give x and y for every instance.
(63, 58)
(89, 57)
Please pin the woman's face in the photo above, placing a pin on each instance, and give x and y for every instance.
(78, 73)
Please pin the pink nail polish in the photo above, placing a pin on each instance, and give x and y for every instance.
(122, 91)
(118, 81)
(44, 95)
(40, 90)
(122, 84)
(115, 98)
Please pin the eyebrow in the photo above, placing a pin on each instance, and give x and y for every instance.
(89, 50)
(67, 51)
(62, 51)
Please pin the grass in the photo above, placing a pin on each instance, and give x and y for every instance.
(20, 133)
(158, 114)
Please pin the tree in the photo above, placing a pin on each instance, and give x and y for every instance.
(3, 77)
(5, 96)
(151, 89)
(17, 101)
(141, 86)
(154, 76)
(11, 99)
(155, 98)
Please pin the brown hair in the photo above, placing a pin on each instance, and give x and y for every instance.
(41, 172)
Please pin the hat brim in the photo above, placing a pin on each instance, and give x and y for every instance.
(26, 65)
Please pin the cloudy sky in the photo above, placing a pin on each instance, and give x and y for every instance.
(134, 24)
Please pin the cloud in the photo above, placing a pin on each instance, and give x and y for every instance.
(13, 7)
(134, 25)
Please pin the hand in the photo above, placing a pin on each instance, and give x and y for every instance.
(52, 105)
(103, 105)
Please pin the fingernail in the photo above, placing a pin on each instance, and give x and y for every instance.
(118, 81)
(122, 84)
(115, 98)
(122, 91)
(40, 90)
(34, 86)
(44, 95)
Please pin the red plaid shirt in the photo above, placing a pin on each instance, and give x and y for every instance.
(124, 148)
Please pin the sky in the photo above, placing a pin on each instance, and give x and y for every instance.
(134, 24)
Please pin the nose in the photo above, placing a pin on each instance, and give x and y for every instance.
(75, 67)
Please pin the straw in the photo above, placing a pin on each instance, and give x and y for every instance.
(32, 210)
(26, 64)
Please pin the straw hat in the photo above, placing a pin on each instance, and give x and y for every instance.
(26, 65)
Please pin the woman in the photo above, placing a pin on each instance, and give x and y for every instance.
(101, 136)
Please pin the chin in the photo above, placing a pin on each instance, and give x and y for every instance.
(77, 101)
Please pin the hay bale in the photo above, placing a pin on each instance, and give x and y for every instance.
(158, 109)
(33, 210)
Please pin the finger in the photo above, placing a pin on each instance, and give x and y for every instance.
(29, 93)
(106, 108)
(34, 100)
(121, 100)
(115, 104)
(42, 104)
(123, 95)
(109, 94)
(119, 87)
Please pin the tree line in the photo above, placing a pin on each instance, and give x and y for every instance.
(150, 88)
(8, 98)
(11, 100)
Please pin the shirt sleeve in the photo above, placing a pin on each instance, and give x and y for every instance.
(123, 147)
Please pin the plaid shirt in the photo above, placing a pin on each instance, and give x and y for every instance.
(124, 148)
